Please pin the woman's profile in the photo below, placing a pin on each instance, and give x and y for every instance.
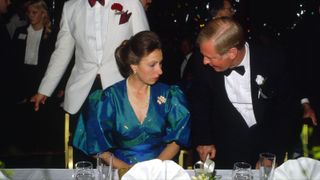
(138, 118)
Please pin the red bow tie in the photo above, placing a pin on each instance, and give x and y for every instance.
(93, 2)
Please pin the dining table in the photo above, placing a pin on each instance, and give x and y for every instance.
(67, 174)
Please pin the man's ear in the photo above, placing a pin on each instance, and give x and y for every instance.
(232, 53)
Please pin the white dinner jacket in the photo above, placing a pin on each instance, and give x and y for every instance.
(72, 35)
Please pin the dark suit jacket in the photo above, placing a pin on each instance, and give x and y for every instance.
(32, 74)
(8, 90)
(215, 120)
(187, 77)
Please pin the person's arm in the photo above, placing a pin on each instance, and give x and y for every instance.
(116, 163)
(61, 56)
(178, 124)
(308, 112)
(170, 151)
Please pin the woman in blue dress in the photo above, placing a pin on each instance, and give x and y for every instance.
(138, 118)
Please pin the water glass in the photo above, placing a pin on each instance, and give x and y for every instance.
(105, 172)
(241, 171)
(267, 162)
(84, 171)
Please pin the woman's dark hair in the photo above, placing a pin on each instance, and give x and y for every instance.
(131, 51)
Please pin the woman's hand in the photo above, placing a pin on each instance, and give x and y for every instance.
(116, 163)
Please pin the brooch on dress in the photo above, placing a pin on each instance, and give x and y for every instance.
(161, 100)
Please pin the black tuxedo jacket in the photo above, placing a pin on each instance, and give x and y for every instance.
(216, 121)
(32, 74)
(187, 76)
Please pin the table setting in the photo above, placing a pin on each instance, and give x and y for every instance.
(303, 168)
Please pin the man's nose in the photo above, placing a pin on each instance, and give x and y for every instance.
(205, 61)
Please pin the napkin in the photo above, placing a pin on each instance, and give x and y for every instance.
(298, 169)
(209, 165)
(156, 169)
(3, 177)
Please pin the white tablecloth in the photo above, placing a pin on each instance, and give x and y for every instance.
(66, 174)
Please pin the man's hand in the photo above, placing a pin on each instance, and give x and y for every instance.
(308, 112)
(37, 99)
(203, 151)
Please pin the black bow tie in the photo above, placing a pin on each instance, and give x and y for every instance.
(93, 2)
(238, 69)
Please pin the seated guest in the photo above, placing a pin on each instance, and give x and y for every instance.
(136, 119)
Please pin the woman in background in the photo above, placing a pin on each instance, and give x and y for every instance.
(33, 45)
(136, 119)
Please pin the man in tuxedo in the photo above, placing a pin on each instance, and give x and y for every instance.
(242, 102)
(94, 29)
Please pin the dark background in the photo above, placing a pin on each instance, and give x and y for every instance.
(172, 19)
(169, 17)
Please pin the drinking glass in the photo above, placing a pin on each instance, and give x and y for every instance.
(199, 168)
(84, 171)
(105, 172)
(267, 162)
(241, 171)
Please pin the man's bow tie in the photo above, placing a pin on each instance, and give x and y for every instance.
(93, 2)
(238, 69)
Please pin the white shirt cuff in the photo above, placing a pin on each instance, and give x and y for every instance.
(305, 100)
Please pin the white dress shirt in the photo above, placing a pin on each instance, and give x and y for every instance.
(32, 46)
(97, 17)
(238, 88)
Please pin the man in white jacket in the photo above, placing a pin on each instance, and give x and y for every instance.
(94, 28)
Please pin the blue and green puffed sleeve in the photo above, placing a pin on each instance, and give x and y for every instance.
(94, 124)
(178, 118)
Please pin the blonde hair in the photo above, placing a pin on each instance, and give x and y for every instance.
(225, 32)
(42, 6)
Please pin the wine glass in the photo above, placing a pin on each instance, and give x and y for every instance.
(241, 171)
(267, 162)
(84, 171)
